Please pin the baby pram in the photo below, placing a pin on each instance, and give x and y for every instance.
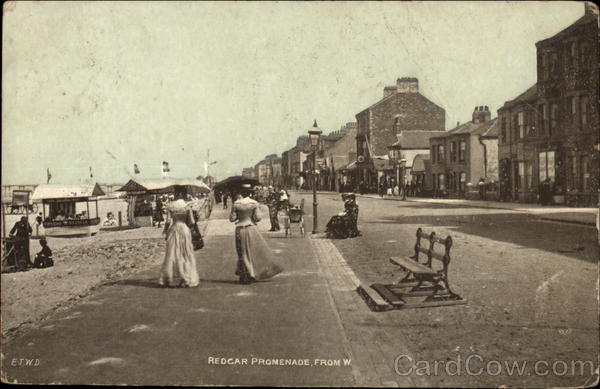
(294, 214)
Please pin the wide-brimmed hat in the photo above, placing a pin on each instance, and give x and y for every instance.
(177, 206)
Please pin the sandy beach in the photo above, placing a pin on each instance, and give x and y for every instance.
(81, 264)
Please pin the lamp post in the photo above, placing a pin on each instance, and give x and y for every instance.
(403, 178)
(314, 134)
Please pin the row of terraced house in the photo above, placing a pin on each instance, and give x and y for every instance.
(548, 136)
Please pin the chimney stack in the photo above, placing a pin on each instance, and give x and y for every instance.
(591, 9)
(389, 90)
(481, 114)
(407, 85)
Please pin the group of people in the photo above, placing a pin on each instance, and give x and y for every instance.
(19, 254)
(277, 200)
(255, 262)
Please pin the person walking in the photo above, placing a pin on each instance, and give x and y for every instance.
(481, 185)
(225, 195)
(273, 205)
(256, 261)
(158, 212)
(179, 266)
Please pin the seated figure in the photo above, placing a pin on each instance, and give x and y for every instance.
(44, 257)
(344, 224)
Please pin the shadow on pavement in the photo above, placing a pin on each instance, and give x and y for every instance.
(519, 229)
(146, 282)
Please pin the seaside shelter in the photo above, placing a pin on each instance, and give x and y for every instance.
(66, 208)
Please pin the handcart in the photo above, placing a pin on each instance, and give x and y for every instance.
(294, 214)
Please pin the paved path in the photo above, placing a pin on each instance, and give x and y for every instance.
(133, 332)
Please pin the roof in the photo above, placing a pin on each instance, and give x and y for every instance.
(161, 185)
(421, 163)
(529, 95)
(488, 128)
(393, 95)
(382, 164)
(350, 166)
(53, 191)
(585, 19)
(416, 139)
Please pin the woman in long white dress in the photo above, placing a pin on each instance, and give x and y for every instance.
(179, 266)
(256, 261)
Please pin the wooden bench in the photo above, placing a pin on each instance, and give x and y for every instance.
(424, 278)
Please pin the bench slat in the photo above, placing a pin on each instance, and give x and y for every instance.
(411, 265)
(437, 239)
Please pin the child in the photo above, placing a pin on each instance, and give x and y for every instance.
(43, 258)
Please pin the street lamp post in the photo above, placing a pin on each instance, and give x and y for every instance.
(314, 134)
(403, 178)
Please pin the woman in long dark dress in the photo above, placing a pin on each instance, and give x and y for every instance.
(158, 212)
(344, 224)
(256, 261)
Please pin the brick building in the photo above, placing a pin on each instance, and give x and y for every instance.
(326, 175)
(551, 131)
(402, 109)
(465, 154)
(338, 156)
(248, 172)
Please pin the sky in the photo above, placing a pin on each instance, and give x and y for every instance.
(110, 84)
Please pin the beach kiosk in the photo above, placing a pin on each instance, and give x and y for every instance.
(140, 195)
(68, 210)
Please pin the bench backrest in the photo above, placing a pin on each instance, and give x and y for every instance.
(443, 248)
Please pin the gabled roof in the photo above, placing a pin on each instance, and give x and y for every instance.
(159, 185)
(394, 95)
(488, 129)
(585, 19)
(416, 139)
(54, 191)
(527, 96)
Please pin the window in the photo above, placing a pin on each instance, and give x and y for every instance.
(553, 118)
(585, 170)
(583, 113)
(433, 148)
(553, 65)
(572, 171)
(545, 69)
(450, 181)
(453, 151)
(462, 151)
(397, 125)
(441, 155)
(521, 176)
(584, 57)
(442, 184)
(515, 127)
(528, 175)
(543, 123)
(521, 124)
(573, 53)
(573, 109)
(546, 165)
(434, 181)
(463, 181)
(503, 130)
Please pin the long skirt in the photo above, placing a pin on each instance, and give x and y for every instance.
(179, 266)
(255, 258)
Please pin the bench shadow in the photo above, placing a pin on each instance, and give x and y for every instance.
(143, 282)
(576, 241)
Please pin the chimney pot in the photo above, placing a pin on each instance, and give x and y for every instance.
(457, 124)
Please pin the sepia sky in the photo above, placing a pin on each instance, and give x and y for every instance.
(110, 84)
